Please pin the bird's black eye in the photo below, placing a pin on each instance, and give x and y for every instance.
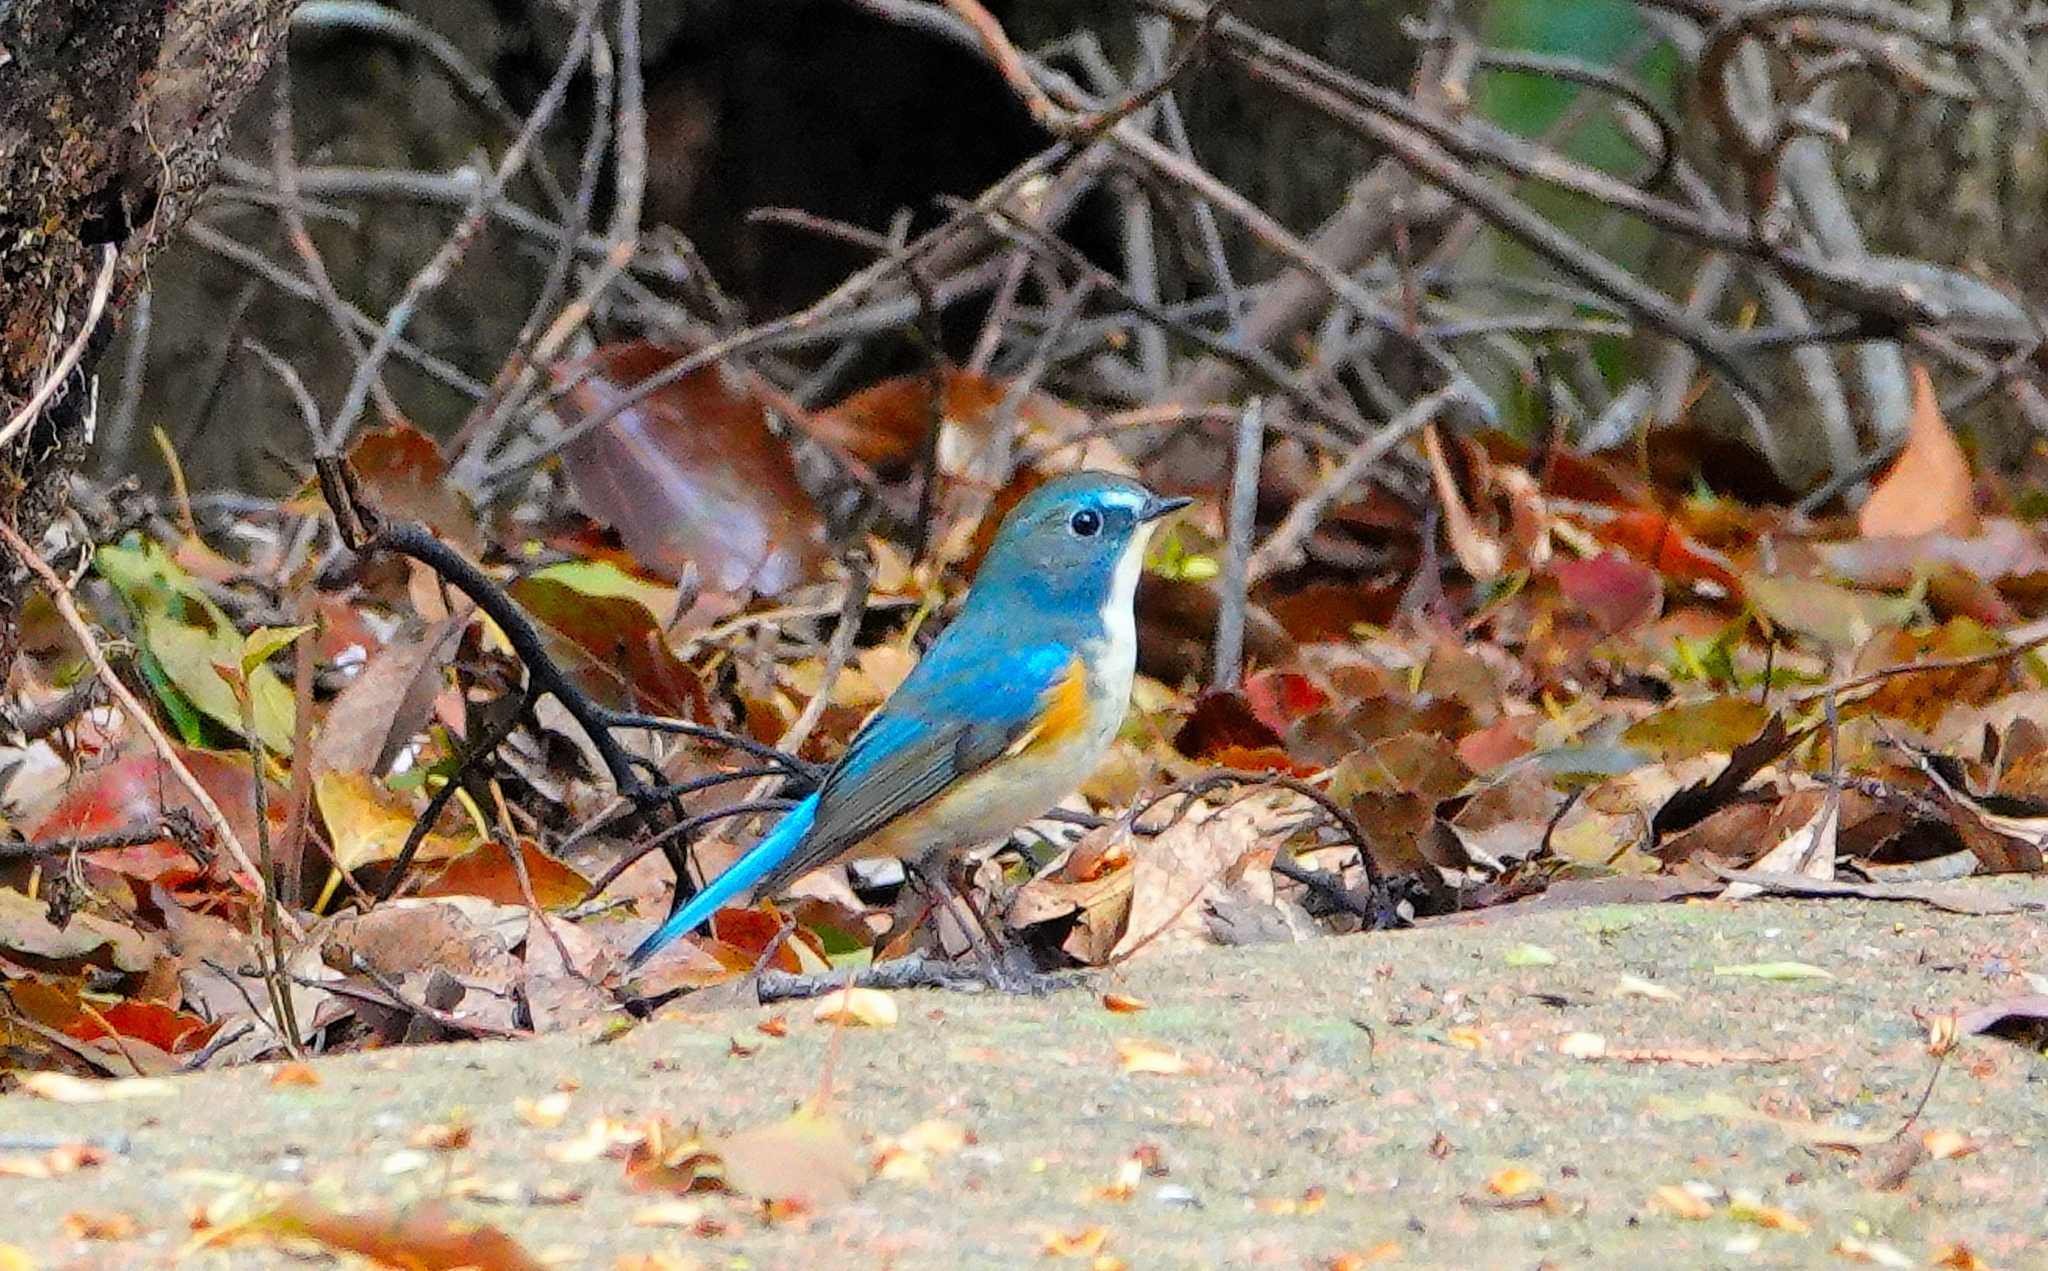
(1087, 523)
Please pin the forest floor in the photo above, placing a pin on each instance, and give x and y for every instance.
(1405, 1099)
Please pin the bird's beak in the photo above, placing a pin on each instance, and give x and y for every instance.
(1156, 507)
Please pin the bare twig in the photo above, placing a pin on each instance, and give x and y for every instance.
(1283, 547)
(1235, 583)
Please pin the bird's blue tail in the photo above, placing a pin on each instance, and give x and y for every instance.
(763, 857)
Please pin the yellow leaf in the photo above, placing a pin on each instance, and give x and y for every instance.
(264, 643)
(1085, 1243)
(1137, 1055)
(367, 823)
(63, 1088)
(1681, 1202)
(1513, 1181)
(857, 1007)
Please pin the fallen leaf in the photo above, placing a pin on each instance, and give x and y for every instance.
(668, 1213)
(1528, 955)
(64, 1159)
(1085, 1243)
(1747, 1208)
(60, 1087)
(1776, 971)
(427, 1238)
(100, 1224)
(1582, 1045)
(862, 1008)
(1681, 1202)
(1138, 1055)
(808, 1158)
(1928, 488)
(1947, 1145)
(1120, 1004)
(386, 705)
(295, 1076)
(545, 1112)
(691, 476)
(1512, 1181)
(1875, 1253)
(1616, 592)
(1807, 852)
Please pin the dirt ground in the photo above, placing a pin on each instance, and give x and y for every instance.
(1405, 1099)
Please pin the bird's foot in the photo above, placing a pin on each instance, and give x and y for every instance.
(1011, 970)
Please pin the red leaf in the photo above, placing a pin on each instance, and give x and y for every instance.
(884, 424)
(403, 473)
(1279, 698)
(692, 474)
(1224, 721)
(171, 1031)
(138, 788)
(1659, 542)
(1616, 591)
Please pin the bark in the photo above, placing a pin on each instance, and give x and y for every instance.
(112, 115)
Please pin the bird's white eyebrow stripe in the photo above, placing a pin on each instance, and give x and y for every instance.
(1121, 499)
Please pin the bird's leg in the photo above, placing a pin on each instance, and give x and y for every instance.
(932, 881)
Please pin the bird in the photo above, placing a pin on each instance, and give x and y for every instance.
(1010, 710)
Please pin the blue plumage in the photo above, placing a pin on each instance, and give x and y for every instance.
(958, 754)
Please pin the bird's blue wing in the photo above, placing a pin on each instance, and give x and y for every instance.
(960, 708)
(957, 712)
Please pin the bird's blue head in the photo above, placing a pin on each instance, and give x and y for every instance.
(1074, 546)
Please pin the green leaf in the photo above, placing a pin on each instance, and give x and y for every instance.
(1528, 955)
(190, 656)
(1776, 971)
(264, 643)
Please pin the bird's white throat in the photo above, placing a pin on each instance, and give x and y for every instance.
(1119, 622)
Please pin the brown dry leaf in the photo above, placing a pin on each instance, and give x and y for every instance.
(386, 705)
(1140, 1055)
(486, 870)
(1478, 552)
(1120, 1004)
(428, 1238)
(691, 476)
(1202, 858)
(1928, 490)
(1957, 1257)
(808, 1159)
(861, 1008)
(567, 994)
(402, 472)
(1087, 891)
(1807, 852)
(100, 1224)
(26, 929)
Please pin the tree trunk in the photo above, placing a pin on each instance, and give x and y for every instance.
(112, 114)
